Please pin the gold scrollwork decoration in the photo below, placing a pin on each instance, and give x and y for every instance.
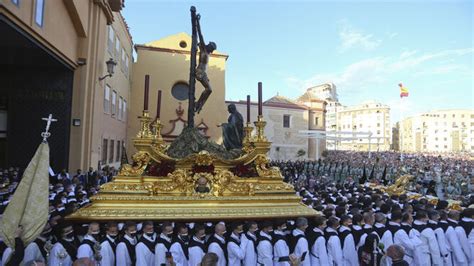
(261, 162)
(203, 158)
(140, 162)
(181, 180)
(227, 180)
(400, 185)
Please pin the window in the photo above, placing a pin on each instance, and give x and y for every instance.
(445, 139)
(110, 41)
(462, 116)
(445, 146)
(114, 102)
(111, 151)
(180, 91)
(104, 150)
(126, 66)
(286, 121)
(107, 99)
(316, 121)
(124, 109)
(120, 104)
(119, 149)
(123, 60)
(39, 12)
(454, 116)
(117, 49)
(378, 132)
(378, 124)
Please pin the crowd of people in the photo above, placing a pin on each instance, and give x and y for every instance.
(448, 176)
(356, 225)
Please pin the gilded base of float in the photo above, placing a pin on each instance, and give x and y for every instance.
(192, 209)
(201, 186)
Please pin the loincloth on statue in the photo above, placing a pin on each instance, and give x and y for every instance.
(201, 74)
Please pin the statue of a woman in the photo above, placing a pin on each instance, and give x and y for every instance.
(233, 130)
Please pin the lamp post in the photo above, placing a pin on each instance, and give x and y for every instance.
(110, 68)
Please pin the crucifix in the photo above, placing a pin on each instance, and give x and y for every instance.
(46, 133)
(198, 72)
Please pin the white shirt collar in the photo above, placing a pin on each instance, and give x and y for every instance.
(393, 223)
(356, 227)
(265, 234)
(235, 237)
(198, 240)
(298, 232)
(330, 229)
(165, 237)
(133, 241)
(316, 229)
(111, 239)
(89, 237)
(453, 221)
(219, 238)
(152, 238)
(278, 232)
(343, 228)
(379, 225)
(417, 222)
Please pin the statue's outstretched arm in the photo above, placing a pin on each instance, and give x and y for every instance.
(202, 44)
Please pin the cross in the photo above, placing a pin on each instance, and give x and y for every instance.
(48, 120)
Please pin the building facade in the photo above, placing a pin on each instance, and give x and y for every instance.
(285, 119)
(62, 49)
(363, 127)
(438, 131)
(167, 63)
(326, 92)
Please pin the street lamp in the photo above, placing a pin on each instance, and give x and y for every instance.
(110, 68)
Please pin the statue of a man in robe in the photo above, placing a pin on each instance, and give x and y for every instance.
(233, 130)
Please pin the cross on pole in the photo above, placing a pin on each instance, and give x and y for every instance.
(46, 133)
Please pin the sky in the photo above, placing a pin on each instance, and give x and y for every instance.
(364, 47)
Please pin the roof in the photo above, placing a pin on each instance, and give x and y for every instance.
(284, 102)
(309, 95)
(178, 43)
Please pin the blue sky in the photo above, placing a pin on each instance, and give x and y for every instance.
(364, 47)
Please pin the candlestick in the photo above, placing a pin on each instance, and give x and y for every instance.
(248, 109)
(158, 106)
(260, 101)
(147, 88)
(260, 127)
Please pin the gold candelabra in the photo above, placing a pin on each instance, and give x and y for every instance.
(260, 126)
(156, 128)
(247, 141)
(145, 122)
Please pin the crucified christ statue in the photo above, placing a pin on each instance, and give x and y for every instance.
(201, 75)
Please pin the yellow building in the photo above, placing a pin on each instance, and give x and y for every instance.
(167, 62)
(53, 54)
(438, 131)
(285, 119)
(364, 126)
